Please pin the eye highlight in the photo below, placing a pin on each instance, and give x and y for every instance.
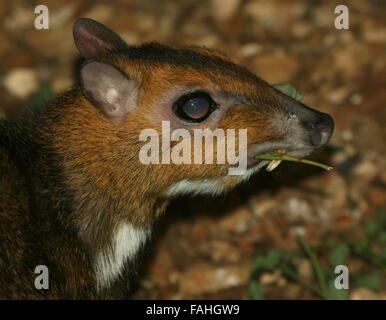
(194, 107)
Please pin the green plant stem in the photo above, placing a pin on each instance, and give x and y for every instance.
(316, 266)
(293, 159)
(292, 276)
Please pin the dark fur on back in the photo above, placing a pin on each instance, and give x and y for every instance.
(34, 205)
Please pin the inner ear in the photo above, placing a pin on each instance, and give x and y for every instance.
(93, 39)
(109, 89)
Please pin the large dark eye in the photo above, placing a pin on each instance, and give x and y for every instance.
(194, 107)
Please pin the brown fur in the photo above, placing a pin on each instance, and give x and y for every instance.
(69, 176)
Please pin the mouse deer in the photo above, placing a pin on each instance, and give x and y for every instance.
(75, 196)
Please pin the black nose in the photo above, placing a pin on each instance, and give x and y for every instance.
(321, 129)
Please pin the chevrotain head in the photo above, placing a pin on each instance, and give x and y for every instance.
(136, 88)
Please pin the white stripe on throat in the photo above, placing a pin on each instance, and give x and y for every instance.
(127, 240)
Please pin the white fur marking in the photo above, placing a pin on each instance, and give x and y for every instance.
(127, 240)
(213, 187)
(207, 186)
(251, 171)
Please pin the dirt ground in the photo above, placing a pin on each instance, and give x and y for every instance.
(209, 248)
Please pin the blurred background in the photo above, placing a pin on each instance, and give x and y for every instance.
(281, 235)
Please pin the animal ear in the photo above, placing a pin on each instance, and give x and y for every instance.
(109, 89)
(93, 39)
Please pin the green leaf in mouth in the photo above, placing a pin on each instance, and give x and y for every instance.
(277, 157)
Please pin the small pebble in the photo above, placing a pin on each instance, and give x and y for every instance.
(21, 82)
